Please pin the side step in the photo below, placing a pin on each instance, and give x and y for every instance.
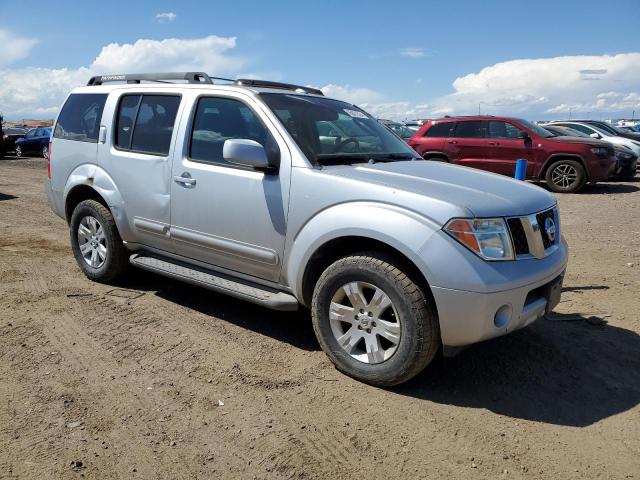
(217, 282)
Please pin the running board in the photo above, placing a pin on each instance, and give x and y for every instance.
(217, 282)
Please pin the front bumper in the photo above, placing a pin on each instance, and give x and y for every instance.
(602, 168)
(478, 300)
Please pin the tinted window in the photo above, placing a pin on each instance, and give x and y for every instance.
(126, 117)
(503, 130)
(221, 119)
(80, 117)
(580, 128)
(440, 129)
(470, 129)
(145, 124)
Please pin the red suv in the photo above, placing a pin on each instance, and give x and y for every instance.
(495, 143)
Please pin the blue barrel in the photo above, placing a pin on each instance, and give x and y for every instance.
(521, 169)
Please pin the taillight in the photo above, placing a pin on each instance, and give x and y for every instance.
(49, 161)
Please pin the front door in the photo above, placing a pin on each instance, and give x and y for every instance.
(222, 214)
(505, 147)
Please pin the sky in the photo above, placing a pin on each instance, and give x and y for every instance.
(403, 60)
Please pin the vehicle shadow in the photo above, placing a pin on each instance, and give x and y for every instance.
(293, 328)
(6, 196)
(600, 188)
(574, 373)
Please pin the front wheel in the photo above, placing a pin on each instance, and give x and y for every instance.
(566, 176)
(45, 151)
(96, 243)
(18, 151)
(373, 322)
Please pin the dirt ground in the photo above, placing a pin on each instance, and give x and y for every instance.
(155, 379)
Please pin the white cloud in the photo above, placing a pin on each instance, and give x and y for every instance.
(413, 52)
(166, 17)
(14, 47)
(351, 94)
(605, 83)
(39, 92)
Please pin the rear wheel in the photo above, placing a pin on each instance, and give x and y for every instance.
(566, 176)
(96, 243)
(373, 322)
(437, 158)
(18, 151)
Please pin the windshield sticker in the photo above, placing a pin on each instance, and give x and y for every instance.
(355, 113)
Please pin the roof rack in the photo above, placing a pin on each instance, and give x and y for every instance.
(195, 77)
(190, 77)
(285, 86)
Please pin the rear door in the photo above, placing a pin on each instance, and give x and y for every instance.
(468, 144)
(505, 147)
(137, 156)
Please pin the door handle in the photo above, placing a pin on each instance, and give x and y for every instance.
(185, 179)
(102, 134)
(492, 144)
(452, 141)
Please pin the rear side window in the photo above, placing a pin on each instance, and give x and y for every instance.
(470, 129)
(220, 119)
(441, 129)
(80, 117)
(145, 123)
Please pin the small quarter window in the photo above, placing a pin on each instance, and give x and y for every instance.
(80, 117)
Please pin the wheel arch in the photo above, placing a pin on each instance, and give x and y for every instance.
(435, 153)
(80, 193)
(562, 156)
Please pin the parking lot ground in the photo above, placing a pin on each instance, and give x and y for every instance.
(151, 378)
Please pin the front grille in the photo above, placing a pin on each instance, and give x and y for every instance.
(529, 234)
(519, 237)
(542, 217)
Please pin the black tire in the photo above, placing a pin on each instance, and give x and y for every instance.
(18, 151)
(420, 335)
(437, 158)
(45, 151)
(116, 260)
(575, 180)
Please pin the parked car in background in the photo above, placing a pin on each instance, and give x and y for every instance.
(495, 143)
(413, 124)
(231, 187)
(627, 160)
(594, 131)
(607, 127)
(35, 142)
(399, 129)
(9, 136)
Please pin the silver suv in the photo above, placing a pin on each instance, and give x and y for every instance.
(277, 195)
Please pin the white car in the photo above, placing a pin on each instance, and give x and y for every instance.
(596, 132)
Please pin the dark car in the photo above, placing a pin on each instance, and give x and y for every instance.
(35, 142)
(9, 137)
(627, 160)
(495, 143)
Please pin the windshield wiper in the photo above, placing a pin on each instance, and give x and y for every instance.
(342, 158)
(382, 157)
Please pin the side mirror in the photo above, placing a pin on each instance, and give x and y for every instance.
(595, 135)
(524, 135)
(248, 153)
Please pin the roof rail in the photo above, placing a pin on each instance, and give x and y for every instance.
(285, 86)
(190, 77)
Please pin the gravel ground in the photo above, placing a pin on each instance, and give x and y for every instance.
(155, 379)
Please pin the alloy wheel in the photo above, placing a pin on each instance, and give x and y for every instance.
(564, 175)
(365, 322)
(92, 241)
(45, 151)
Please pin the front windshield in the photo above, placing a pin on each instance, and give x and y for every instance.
(537, 129)
(329, 130)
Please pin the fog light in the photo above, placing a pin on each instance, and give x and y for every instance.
(503, 316)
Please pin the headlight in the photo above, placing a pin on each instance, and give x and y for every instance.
(623, 155)
(599, 151)
(487, 237)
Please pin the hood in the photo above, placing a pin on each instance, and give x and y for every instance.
(481, 193)
(596, 142)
